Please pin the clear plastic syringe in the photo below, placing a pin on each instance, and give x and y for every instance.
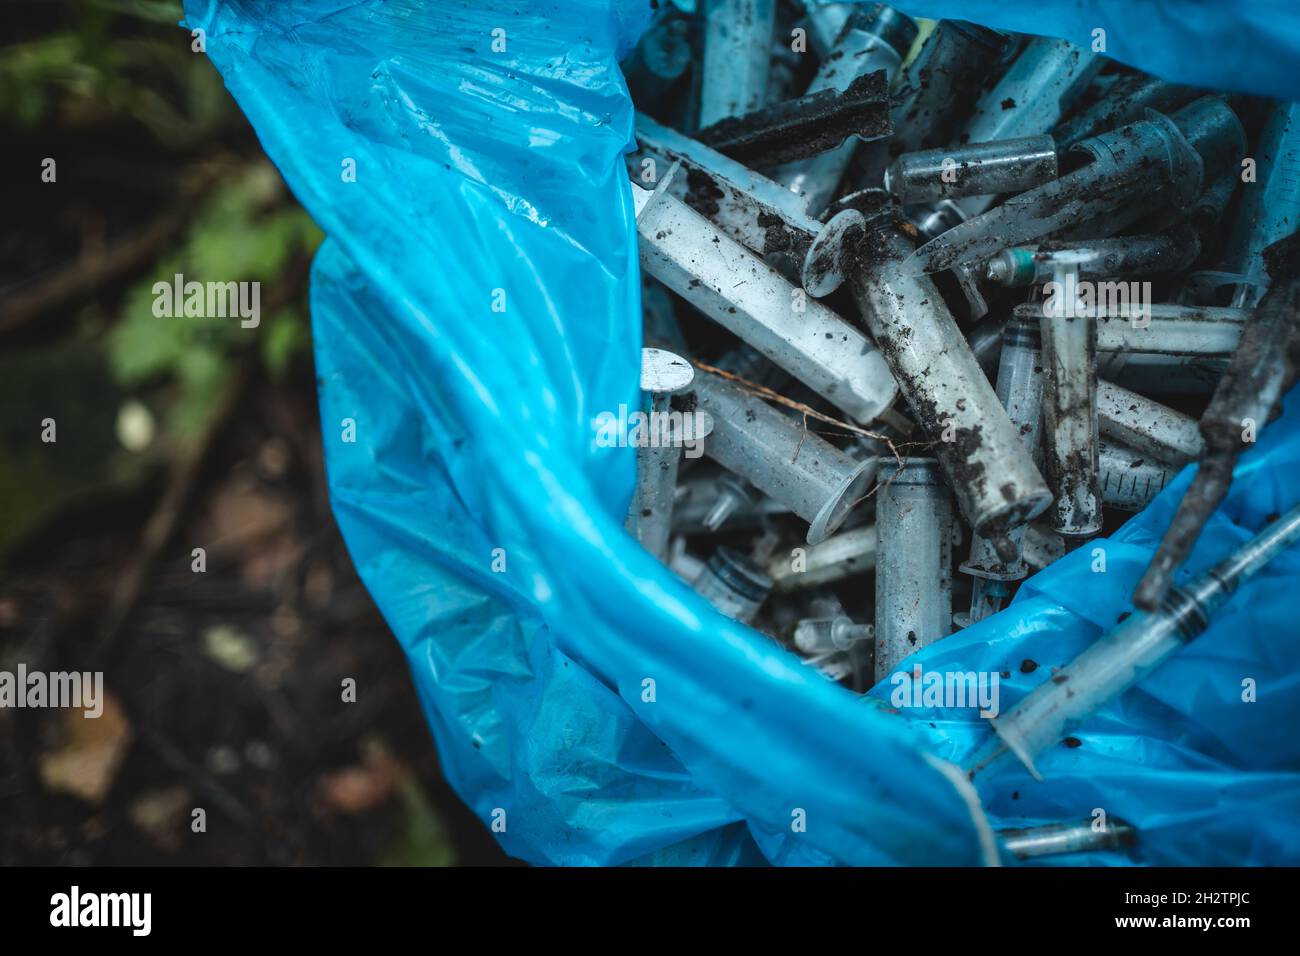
(1128, 653)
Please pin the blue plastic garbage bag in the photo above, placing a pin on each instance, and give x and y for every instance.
(475, 308)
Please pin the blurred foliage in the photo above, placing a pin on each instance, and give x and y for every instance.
(245, 232)
(423, 839)
(116, 88)
(70, 384)
(92, 69)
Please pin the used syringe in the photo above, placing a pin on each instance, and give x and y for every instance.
(1097, 259)
(777, 454)
(1020, 388)
(840, 556)
(737, 46)
(659, 448)
(874, 38)
(740, 292)
(975, 169)
(1055, 839)
(1129, 653)
(1157, 160)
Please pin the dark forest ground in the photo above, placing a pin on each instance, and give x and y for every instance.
(223, 686)
(226, 683)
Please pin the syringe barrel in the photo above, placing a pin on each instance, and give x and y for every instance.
(1070, 433)
(1055, 839)
(874, 39)
(840, 556)
(933, 91)
(1020, 377)
(744, 295)
(1147, 426)
(1164, 347)
(1020, 389)
(659, 443)
(1124, 656)
(975, 169)
(737, 48)
(938, 83)
(991, 472)
(1095, 259)
(733, 584)
(650, 516)
(825, 635)
(779, 456)
(1116, 662)
(1129, 479)
(913, 562)
(1032, 96)
(1214, 131)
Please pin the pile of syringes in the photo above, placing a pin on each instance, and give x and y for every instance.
(928, 306)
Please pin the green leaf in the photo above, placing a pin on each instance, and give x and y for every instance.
(284, 337)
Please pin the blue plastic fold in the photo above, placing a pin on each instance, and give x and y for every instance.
(475, 308)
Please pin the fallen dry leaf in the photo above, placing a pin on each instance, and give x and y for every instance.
(92, 750)
(362, 787)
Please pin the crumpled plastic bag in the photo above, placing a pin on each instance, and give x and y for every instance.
(475, 307)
